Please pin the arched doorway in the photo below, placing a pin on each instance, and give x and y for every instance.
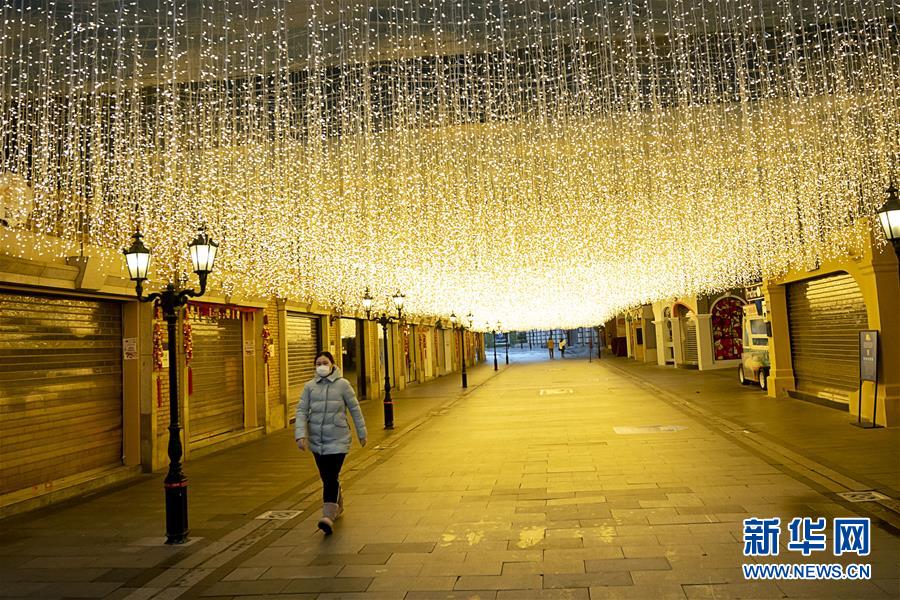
(727, 329)
(689, 354)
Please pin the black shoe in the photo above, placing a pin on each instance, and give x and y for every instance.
(326, 525)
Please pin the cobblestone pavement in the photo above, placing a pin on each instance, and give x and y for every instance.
(562, 479)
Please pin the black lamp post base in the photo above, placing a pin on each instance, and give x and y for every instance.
(176, 513)
(389, 413)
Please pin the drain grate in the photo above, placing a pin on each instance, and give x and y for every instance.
(279, 515)
(648, 429)
(864, 496)
(555, 391)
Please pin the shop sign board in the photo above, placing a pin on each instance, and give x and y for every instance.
(868, 355)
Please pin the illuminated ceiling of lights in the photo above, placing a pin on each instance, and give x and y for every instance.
(538, 162)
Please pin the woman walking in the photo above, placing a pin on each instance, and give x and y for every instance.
(322, 427)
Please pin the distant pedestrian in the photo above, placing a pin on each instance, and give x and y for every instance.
(562, 347)
(322, 428)
(550, 345)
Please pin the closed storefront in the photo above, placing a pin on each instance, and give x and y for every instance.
(60, 388)
(451, 349)
(689, 333)
(353, 364)
(216, 404)
(668, 337)
(302, 332)
(825, 316)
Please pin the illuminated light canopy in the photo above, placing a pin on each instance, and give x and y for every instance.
(545, 163)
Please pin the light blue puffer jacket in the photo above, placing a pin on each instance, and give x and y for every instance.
(323, 406)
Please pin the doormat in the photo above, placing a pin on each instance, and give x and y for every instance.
(648, 429)
(864, 496)
(279, 515)
(555, 391)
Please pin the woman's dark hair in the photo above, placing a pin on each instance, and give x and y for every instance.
(326, 354)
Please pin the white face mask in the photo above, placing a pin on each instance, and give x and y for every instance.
(323, 370)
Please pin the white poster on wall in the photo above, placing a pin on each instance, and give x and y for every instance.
(129, 348)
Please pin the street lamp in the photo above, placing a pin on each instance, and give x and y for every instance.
(889, 215)
(462, 345)
(203, 256)
(505, 341)
(494, 338)
(384, 320)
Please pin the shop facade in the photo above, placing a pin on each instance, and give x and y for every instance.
(816, 316)
(85, 369)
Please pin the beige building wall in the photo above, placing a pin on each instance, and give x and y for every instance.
(875, 270)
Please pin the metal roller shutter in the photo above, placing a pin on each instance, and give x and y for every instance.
(825, 317)
(217, 404)
(690, 341)
(60, 388)
(302, 345)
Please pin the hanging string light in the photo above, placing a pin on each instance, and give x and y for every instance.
(544, 163)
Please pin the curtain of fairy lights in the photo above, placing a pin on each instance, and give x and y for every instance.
(540, 162)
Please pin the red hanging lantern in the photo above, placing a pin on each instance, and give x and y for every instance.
(267, 346)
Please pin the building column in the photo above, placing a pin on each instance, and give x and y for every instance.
(660, 342)
(705, 355)
(282, 353)
(781, 373)
(677, 336)
(883, 295)
(254, 371)
(629, 330)
(398, 360)
(140, 386)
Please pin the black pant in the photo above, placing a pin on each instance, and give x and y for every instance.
(329, 470)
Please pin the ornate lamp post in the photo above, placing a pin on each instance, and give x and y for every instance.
(889, 215)
(462, 345)
(470, 319)
(384, 319)
(505, 341)
(171, 299)
(494, 344)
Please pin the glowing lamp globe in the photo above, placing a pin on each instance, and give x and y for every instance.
(399, 299)
(203, 252)
(137, 258)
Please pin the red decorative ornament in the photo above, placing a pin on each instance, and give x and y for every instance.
(267, 346)
(157, 347)
(423, 344)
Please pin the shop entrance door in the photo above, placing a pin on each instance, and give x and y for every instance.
(352, 355)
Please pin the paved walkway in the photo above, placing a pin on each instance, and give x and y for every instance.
(820, 433)
(522, 488)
